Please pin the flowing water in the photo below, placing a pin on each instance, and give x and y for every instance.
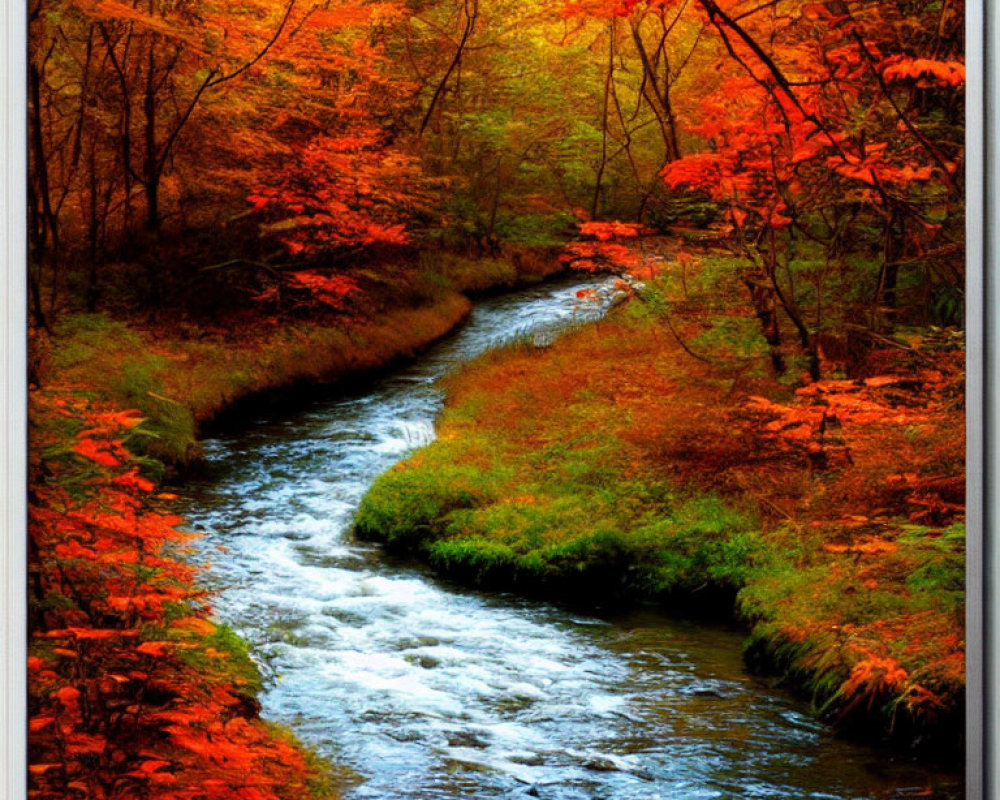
(430, 691)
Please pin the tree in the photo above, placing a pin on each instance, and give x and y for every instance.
(842, 120)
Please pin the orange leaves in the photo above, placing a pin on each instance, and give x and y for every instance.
(106, 423)
(600, 9)
(197, 625)
(875, 169)
(340, 192)
(597, 256)
(147, 768)
(132, 480)
(113, 701)
(805, 112)
(85, 744)
(866, 546)
(875, 678)
(41, 769)
(604, 254)
(341, 16)
(835, 411)
(606, 231)
(98, 452)
(36, 724)
(90, 634)
(925, 72)
(699, 170)
(96, 442)
(329, 290)
(173, 28)
(68, 696)
(155, 649)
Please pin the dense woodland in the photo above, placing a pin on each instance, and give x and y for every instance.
(174, 140)
(250, 168)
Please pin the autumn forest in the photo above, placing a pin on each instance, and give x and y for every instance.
(630, 331)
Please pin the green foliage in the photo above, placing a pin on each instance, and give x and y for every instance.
(89, 346)
(327, 780)
(469, 274)
(558, 519)
(536, 229)
(236, 659)
(940, 571)
(709, 542)
(168, 432)
(405, 506)
(83, 338)
(732, 336)
(800, 588)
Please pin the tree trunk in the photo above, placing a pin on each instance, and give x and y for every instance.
(886, 300)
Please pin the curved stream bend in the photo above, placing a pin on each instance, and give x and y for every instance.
(431, 692)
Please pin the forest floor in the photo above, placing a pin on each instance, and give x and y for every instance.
(654, 456)
(132, 688)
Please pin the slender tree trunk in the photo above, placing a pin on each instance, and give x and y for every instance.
(790, 307)
(151, 173)
(608, 82)
(886, 300)
(93, 227)
(150, 167)
(763, 300)
(42, 220)
(658, 102)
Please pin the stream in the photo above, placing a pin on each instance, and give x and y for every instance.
(426, 690)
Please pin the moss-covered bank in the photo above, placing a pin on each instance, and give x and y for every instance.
(615, 467)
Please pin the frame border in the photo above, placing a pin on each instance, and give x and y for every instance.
(982, 412)
(13, 402)
(983, 408)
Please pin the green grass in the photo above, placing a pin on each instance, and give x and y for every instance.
(612, 467)
(558, 520)
(179, 382)
(468, 274)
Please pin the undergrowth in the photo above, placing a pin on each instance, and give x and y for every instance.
(626, 462)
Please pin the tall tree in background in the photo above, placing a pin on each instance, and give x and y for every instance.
(846, 137)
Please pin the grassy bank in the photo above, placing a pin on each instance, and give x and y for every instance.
(134, 691)
(653, 456)
(183, 372)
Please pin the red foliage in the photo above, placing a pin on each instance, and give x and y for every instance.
(340, 193)
(605, 254)
(925, 72)
(116, 707)
(606, 231)
(329, 290)
(820, 111)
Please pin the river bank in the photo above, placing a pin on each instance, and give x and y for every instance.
(131, 685)
(421, 683)
(653, 456)
(184, 373)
